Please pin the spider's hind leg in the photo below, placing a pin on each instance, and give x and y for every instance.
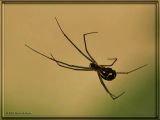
(132, 70)
(115, 97)
(107, 90)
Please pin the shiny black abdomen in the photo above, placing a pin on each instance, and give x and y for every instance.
(106, 73)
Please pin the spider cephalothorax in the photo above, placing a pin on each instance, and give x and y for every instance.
(103, 71)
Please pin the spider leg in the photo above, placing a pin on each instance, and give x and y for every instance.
(73, 67)
(115, 59)
(52, 58)
(38, 52)
(107, 90)
(82, 69)
(60, 62)
(131, 70)
(84, 36)
(71, 41)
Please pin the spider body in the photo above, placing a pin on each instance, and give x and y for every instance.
(94, 66)
(104, 72)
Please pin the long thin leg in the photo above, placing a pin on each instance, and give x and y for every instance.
(83, 69)
(105, 87)
(84, 36)
(115, 59)
(38, 52)
(52, 58)
(131, 70)
(60, 62)
(71, 41)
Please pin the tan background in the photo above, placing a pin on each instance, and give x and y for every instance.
(35, 84)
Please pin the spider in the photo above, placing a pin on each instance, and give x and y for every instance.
(104, 72)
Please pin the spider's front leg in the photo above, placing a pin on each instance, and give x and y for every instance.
(73, 67)
(72, 42)
(85, 43)
(60, 63)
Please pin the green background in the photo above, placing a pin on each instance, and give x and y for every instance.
(37, 85)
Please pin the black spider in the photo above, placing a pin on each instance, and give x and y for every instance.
(103, 71)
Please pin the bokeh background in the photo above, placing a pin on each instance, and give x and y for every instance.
(37, 85)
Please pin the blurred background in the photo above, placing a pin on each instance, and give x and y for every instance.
(36, 85)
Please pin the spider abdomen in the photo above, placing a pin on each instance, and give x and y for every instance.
(108, 73)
